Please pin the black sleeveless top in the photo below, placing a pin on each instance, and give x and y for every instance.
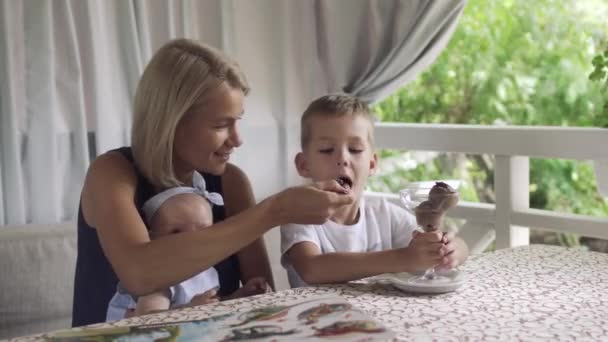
(95, 281)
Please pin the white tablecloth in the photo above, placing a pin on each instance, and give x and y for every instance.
(527, 293)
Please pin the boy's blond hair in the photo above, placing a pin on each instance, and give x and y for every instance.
(177, 78)
(334, 105)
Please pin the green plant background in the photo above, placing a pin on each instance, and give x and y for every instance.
(514, 62)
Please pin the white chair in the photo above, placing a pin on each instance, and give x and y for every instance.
(37, 278)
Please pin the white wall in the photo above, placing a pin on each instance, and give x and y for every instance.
(270, 127)
(258, 156)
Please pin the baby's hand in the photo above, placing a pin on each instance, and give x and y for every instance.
(425, 250)
(130, 313)
(207, 297)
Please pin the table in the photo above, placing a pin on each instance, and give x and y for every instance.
(534, 292)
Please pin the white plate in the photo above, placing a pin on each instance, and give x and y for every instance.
(403, 281)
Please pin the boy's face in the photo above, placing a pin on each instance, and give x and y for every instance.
(181, 213)
(339, 148)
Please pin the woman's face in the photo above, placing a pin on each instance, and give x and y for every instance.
(207, 135)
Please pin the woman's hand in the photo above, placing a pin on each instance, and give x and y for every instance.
(255, 286)
(311, 204)
(331, 185)
(252, 287)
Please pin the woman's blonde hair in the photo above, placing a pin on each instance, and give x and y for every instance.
(176, 79)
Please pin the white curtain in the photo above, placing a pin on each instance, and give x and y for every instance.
(71, 68)
(69, 73)
(368, 48)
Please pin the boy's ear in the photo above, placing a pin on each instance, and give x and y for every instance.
(301, 165)
(373, 164)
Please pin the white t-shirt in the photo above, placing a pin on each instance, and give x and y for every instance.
(381, 226)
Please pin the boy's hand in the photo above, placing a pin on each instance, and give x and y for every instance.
(207, 297)
(452, 255)
(426, 250)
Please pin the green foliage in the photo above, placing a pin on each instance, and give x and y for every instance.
(600, 68)
(514, 62)
(518, 62)
(565, 185)
(600, 74)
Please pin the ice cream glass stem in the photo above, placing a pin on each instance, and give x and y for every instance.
(429, 274)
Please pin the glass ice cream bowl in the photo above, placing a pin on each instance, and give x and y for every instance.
(429, 201)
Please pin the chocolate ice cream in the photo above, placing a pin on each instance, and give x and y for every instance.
(443, 195)
(428, 216)
(430, 213)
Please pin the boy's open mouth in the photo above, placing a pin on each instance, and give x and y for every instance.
(345, 181)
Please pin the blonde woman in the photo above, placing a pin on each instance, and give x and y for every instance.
(186, 109)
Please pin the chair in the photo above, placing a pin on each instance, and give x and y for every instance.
(37, 277)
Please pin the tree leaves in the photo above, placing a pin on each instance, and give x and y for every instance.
(515, 62)
(600, 69)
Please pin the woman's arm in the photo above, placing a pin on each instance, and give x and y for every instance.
(145, 266)
(238, 196)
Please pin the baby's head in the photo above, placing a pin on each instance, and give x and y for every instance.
(337, 140)
(180, 213)
(181, 209)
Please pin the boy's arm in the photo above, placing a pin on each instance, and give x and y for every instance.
(317, 268)
(154, 302)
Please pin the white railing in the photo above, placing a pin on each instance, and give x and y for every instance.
(512, 146)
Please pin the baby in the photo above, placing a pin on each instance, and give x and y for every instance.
(174, 211)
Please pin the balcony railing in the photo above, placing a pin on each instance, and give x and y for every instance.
(508, 219)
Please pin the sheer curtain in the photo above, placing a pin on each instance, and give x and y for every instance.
(368, 48)
(372, 48)
(71, 68)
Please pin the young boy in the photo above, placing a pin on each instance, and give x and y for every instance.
(180, 210)
(369, 237)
